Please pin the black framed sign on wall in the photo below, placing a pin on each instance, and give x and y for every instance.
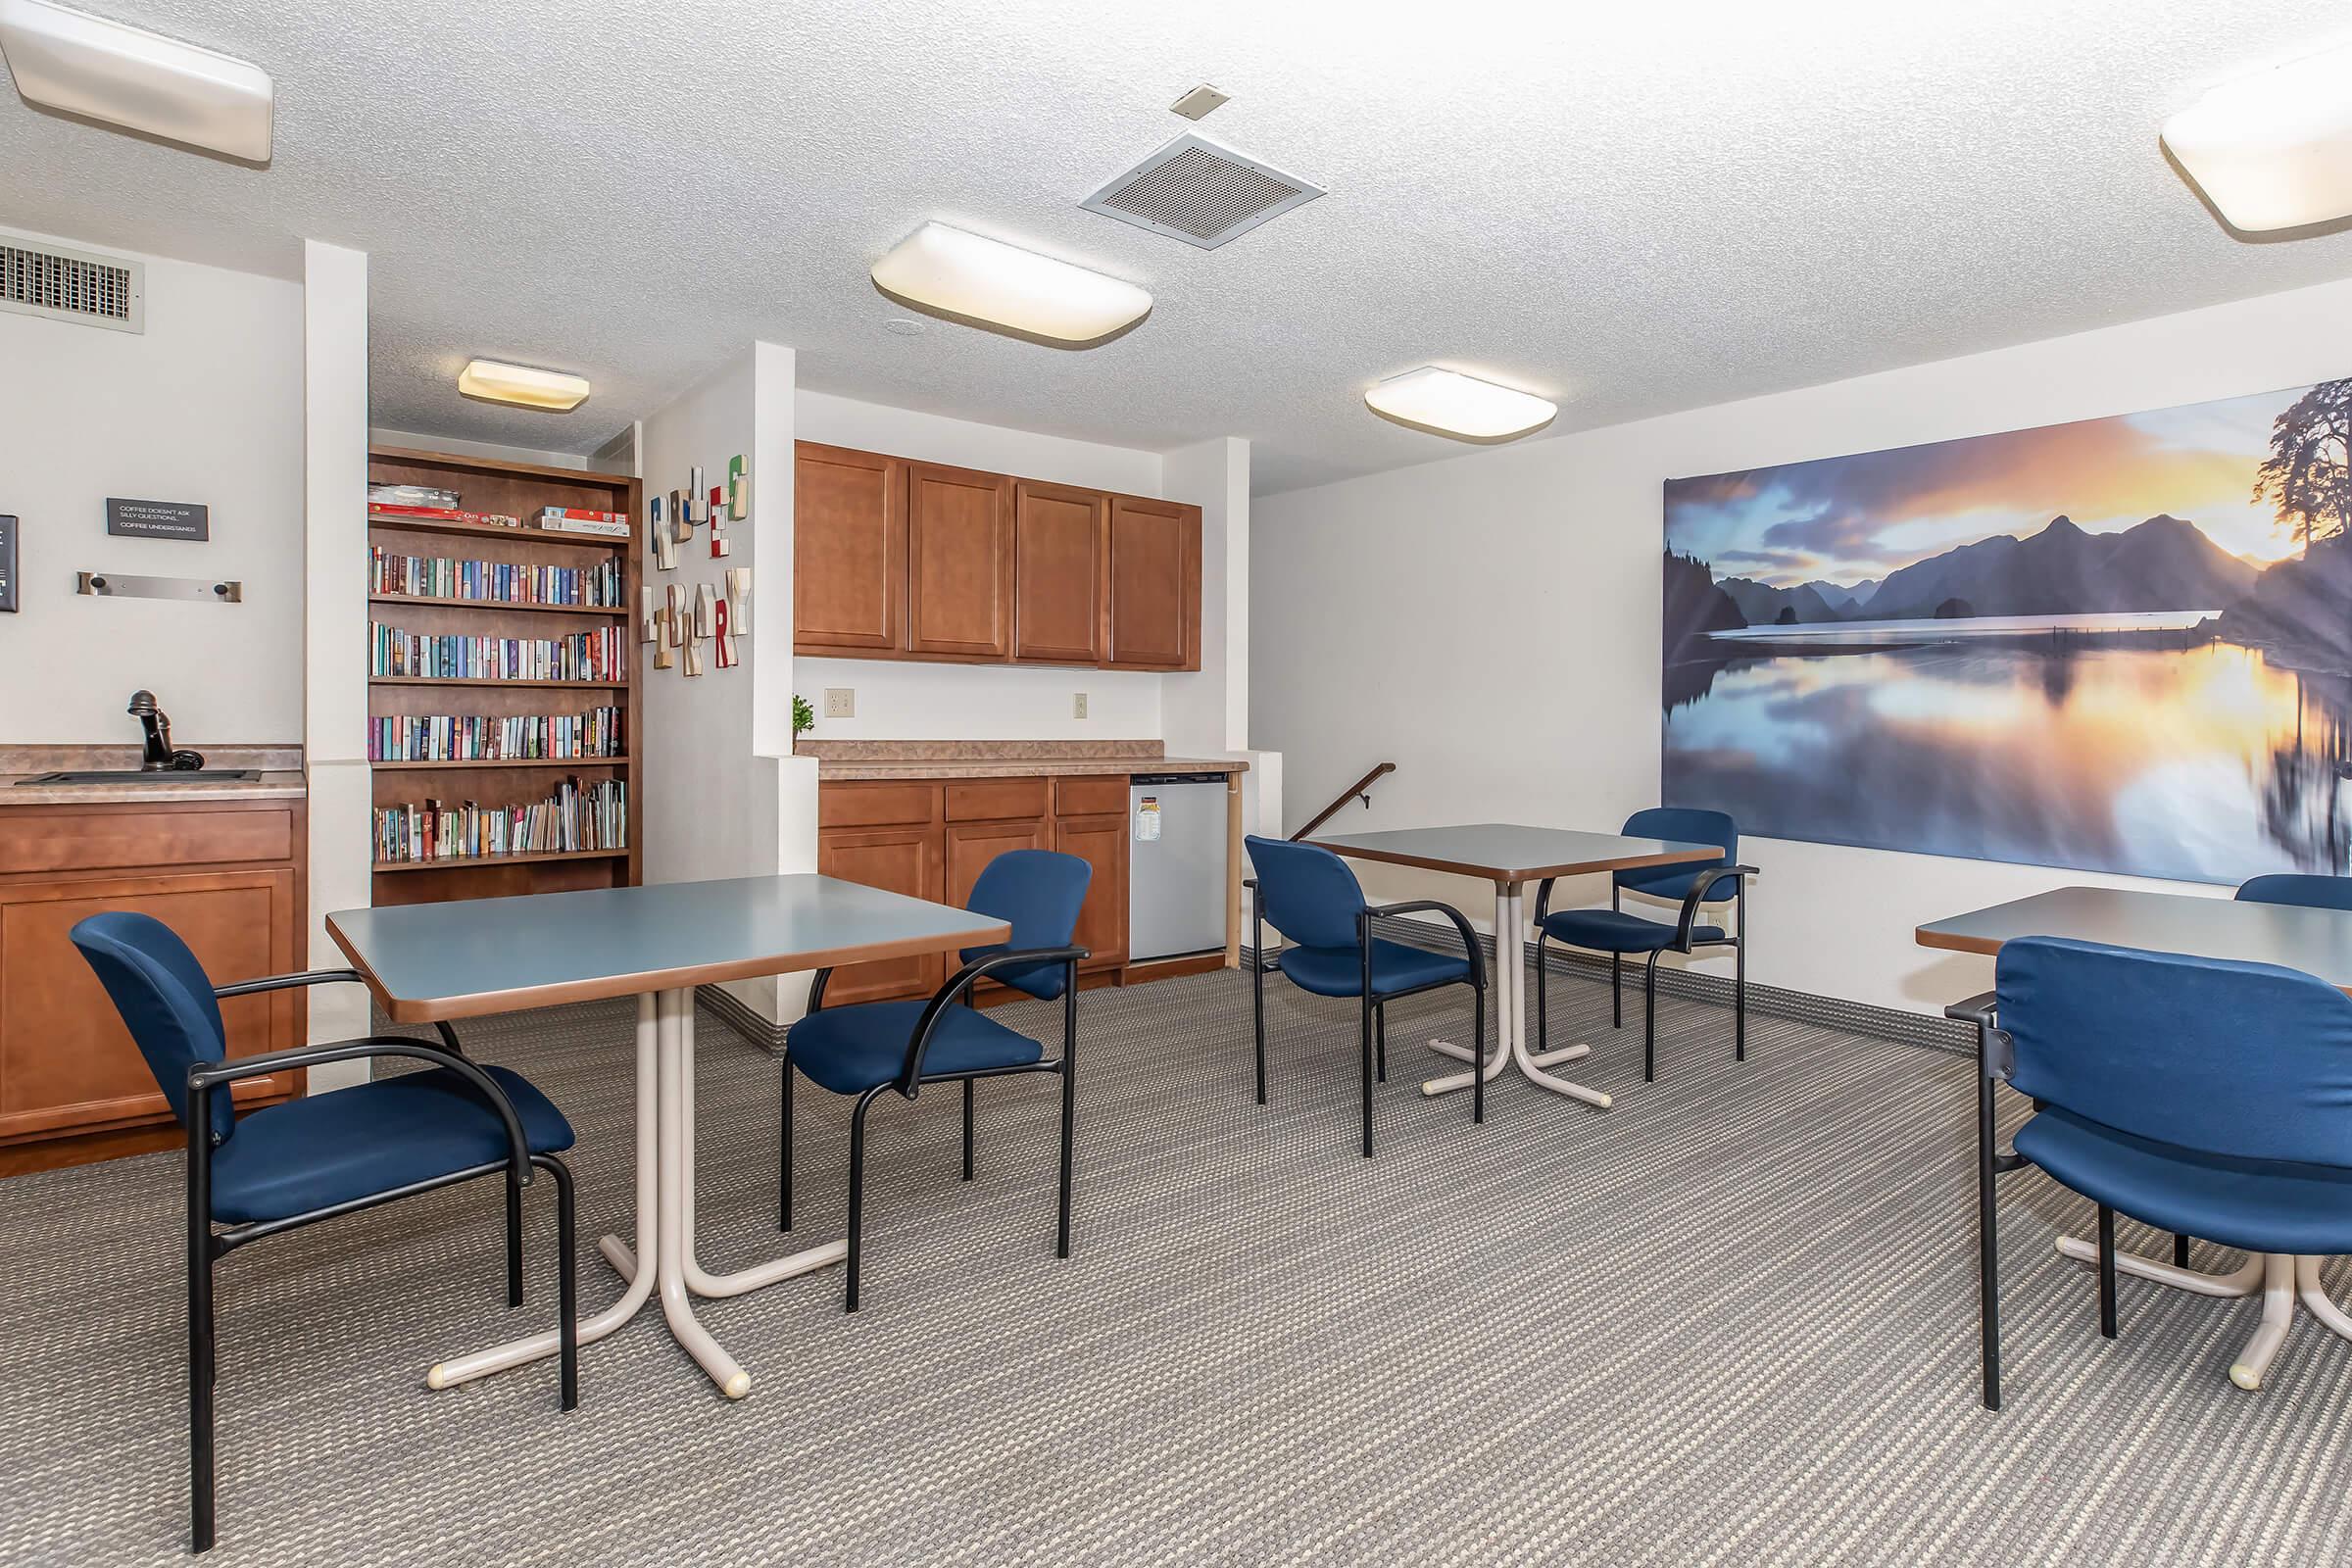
(8, 562)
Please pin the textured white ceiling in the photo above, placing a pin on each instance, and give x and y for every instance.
(1630, 208)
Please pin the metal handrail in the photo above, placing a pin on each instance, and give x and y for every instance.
(1354, 791)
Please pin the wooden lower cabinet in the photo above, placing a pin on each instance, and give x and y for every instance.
(907, 859)
(71, 1082)
(948, 833)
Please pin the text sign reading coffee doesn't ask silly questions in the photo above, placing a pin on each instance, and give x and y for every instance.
(157, 520)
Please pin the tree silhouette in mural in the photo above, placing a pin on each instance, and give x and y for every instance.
(2308, 475)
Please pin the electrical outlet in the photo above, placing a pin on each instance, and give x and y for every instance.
(1078, 705)
(840, 702)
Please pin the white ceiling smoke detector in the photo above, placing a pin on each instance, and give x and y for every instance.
(1201, 102)
(1201, 192)
(1449, 403)
(101, 69)
(986, 282)
(2272, 150)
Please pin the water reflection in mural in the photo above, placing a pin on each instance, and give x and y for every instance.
(1920, 649)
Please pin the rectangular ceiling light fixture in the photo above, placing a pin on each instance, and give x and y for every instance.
(1201, 192)
(990, 283)
(521, 385)
(1450, 404)
(2272, 150)
(123, 75)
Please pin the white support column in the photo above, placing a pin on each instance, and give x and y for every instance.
(335, 730)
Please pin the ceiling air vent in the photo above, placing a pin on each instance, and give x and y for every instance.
(1201, 193)
(37, 279)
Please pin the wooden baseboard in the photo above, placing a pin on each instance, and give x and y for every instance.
(87, 1148)
(1136, 974)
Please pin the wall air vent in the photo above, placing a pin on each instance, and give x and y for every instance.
(37, 279)
(1199, 192)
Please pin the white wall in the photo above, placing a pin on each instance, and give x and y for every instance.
(1491, 622)
(899, 699)
(205, 406)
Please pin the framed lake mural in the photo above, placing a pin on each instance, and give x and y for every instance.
(2117, 645)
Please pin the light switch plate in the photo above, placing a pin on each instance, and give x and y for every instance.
(1078, 705)
(840, 701)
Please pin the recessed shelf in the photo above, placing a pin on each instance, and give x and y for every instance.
(507, 761)
(492, 530)
(476, 863)
(608, 611)
(488, 680)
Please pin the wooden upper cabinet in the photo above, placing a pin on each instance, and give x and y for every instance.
(1061, 552)
(1154, 584)
(959, 562)
(849, 552)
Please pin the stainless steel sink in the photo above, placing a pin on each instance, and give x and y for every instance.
(134, 775)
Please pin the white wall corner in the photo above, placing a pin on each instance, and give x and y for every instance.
(1208, 712)
(334, 670)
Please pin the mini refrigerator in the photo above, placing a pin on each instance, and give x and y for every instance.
(1175, 864)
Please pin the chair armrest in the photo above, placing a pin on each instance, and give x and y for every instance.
(287, 982)
(204, 1076)
(1978, 1009)
(1470, 943)
(1543, 900)
(816, 988)
(919, 1042)
(1702, 891)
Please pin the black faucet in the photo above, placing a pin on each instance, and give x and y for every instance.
(159, 757)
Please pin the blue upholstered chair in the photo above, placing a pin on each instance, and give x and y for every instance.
(902, 1046)
(1617, 933)
(2201, 1096)
(1313, 900)
(2291, 887)
(309, 1160)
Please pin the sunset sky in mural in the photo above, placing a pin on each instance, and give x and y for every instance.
(1847, 518)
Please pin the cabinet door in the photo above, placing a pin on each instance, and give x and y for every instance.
(1061, 559)
(1154, 584)
(900, 859)
(66, 1064)
(972, 845)
(849, 550)
(959, 562)
(1102, 842)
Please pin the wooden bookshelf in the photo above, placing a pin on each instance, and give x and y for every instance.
(517, 489)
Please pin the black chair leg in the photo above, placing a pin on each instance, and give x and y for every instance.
(1650, 1020)
(1365, 1044)
(514, 1238)
(2180, 1252)
(1478, 1048)
(1069, 1106)
(857, 1193)
(1380, 1043)
(2106, 1271)
(968, 1129)
(784, 1150)
(1258, 1007)
(1988, 1250)
(200, 1363)
(567, 1301)
(1739, 997)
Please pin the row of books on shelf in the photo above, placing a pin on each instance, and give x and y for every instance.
(599, 655)
(582, 521)
(488, 738)
(575, 817)
(503, 582)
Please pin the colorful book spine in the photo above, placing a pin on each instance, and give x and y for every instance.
(573, 818)
(501, 582)
(599, 655)
(484, 738)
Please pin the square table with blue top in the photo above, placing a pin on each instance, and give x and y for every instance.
(432, 962)
(1511, 855)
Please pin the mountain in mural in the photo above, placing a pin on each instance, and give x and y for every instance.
(2161, 563)
(1765, 606)
(2301, 606)
(1694, 605)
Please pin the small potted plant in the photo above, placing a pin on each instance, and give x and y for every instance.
(803, 718)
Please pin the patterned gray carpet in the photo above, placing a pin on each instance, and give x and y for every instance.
(1730, 1321)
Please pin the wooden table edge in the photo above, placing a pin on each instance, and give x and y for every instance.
(483, 1003)
(1952, 942)
(1501, 875)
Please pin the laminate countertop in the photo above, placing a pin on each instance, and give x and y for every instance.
(280, 768)
(928, 759)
